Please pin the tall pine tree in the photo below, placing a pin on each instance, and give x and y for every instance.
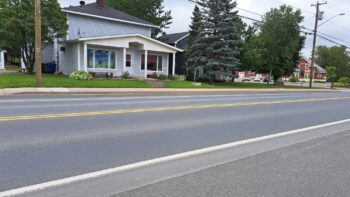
(191, 54)
(217, 46)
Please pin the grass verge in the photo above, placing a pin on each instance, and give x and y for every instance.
(16, 80)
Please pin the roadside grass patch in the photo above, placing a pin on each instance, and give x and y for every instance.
(16, 80)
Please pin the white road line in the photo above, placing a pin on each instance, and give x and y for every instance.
(65, 181)
(148, 97)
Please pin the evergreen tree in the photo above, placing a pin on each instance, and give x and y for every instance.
(217, 46)
(195, 29)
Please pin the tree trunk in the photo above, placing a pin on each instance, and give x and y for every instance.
(270, 75)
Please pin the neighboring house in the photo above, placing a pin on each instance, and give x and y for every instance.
(251, 75)
(106, 40)
(178, 40)
(303, 71)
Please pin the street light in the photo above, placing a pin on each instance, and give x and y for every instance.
(341, 14)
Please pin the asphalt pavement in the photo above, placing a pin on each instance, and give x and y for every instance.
(107, 131)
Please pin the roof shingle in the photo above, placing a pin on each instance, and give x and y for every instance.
(107, 12)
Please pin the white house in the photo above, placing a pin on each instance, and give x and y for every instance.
(103, 39)
(2, 59)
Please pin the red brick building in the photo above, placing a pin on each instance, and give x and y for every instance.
(303, 71)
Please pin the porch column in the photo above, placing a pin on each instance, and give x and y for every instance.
(2, 60)
(78, 57)
(168, 60)
(85, 58)
(174, 63)
(146, 63)
(124, 60)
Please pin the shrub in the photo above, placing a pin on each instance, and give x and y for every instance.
(154, 76)
(180, 78)
(80, 75)
(293, 79)
(340, 85)
(343, 80)
(319, 81)
(125, 75)
(162, 77)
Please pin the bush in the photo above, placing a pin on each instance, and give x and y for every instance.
(341, 85)
(180, 78)
(125, 75)
(343, 80)
(80, 75)
(154, 76)
(162, 77)
(293, 79)
(319, 81)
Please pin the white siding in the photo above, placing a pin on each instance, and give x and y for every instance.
(48, 53)
(85, 27)
(70, 63)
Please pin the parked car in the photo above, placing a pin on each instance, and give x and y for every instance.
(246, 79)
(266, 79)
(257, 79)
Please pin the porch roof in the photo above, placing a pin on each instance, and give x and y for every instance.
(123, 41)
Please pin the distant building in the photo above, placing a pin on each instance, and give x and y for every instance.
(303, 71)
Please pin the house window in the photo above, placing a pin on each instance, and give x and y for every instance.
(154, 62)
(307, 66)
(128, 61)
(101, 59)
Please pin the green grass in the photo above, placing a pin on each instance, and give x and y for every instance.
(176, 84)
(16, 80)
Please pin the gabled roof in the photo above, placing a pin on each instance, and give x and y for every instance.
(318, 68)
(127, 36)
(174, 39)
(108, 13)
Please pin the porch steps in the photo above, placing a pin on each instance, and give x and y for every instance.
(153, 83)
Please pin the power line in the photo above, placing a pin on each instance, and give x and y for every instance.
(305, 32)
(341, 40)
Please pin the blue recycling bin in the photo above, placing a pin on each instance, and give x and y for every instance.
(49, 68)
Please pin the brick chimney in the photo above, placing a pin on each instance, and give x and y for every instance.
(100, 3)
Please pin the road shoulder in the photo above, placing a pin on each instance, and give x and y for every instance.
(117, 183)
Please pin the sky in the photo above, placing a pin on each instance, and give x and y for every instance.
(338, 28)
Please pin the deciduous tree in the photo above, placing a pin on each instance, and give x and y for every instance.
(17, 26)
(334, 56)
(149, 10)
(281, 41)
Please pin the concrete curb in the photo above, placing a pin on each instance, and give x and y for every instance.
(16, 91)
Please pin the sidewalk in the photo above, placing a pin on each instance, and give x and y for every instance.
(16, 91)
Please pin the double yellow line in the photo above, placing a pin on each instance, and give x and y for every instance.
(158, 109)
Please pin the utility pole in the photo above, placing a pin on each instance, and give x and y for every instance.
(38, 74)
(314, 41)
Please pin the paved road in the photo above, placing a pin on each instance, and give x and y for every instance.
(107, 131)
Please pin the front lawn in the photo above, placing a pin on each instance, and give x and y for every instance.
(238, 85)
(16, 80)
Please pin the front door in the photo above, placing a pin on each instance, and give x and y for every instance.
(129, 64)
